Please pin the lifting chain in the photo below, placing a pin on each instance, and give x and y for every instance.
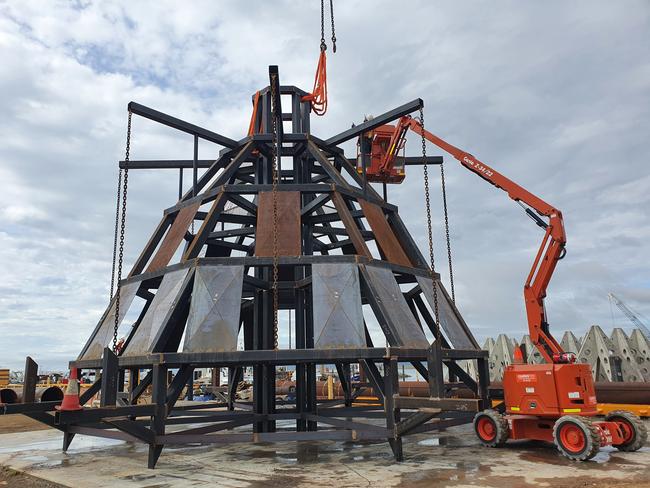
(444, 206)
(333, 34)
(117, 229)
(122, 228)
(430, 231)
(274, 168)
(323, 46)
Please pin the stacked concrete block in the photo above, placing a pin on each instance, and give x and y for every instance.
(501, 357)
(489, 345)
(596, 350)
(533, 356)
(570, 343)
(630, 370)
(640, 348)
(612, 359)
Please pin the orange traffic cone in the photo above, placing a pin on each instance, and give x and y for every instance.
(71, 398)
(518, 357)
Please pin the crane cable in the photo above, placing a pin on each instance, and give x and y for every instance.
(318, 96)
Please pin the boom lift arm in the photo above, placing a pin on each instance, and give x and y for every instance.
(550, 251)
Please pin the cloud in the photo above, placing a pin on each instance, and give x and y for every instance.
(554, 95)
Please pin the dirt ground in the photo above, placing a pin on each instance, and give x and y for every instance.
(10, 478)
(10, 424)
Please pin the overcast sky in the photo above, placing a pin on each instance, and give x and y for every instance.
(556, 95)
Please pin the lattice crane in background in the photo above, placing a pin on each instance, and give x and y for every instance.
(629, 314)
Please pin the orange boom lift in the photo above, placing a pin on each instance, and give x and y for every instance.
(551, 402)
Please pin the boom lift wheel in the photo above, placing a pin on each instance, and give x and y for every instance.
(492, 428)
(634, 431)
(576, 437)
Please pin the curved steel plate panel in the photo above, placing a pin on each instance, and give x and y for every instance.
(213, 322)
(338, 316)
(162, 303)
(450, 323)
(398, 315)
(104, 334)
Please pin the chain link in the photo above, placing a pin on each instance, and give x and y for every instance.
(427, 197)
(323, 46)
(332, 17)
(274, 166)
(117, 227)
(122, 228)
(444, 206)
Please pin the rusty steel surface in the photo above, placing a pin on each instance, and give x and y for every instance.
(384, 235)
(288, 204)
(350, 225)
(174, 237)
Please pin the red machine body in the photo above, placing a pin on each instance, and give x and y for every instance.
(549, 390)
(381, 148)
(550, 402)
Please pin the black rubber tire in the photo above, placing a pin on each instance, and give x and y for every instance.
(591, 434)
(500, 424)
(638, 428)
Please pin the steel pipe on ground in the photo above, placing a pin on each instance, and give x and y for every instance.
(637, 393)
(8, 395)
(43, 394)
(625, 392)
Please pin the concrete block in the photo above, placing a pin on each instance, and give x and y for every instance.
(533, 356)
(570, 343)
(640, 347)
(629, 368)
(596, 350)
(501, 357)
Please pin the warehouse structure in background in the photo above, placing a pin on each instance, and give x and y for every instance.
(312, 239)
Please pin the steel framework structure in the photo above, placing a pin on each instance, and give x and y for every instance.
(345, 254)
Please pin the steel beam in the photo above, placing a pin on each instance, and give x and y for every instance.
(181, 125)
(382, 119)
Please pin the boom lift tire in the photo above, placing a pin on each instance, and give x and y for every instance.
(635, 431)
(576, 437)
(492, 428)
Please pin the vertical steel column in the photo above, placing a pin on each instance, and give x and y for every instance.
(110, 372)
(434, 365)
(134, 379)
(301, 369)
(312, 400)
(391, 388)
(159, 398)
(195, 167)
(180, 183)
(483, 368)
(30, 378)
